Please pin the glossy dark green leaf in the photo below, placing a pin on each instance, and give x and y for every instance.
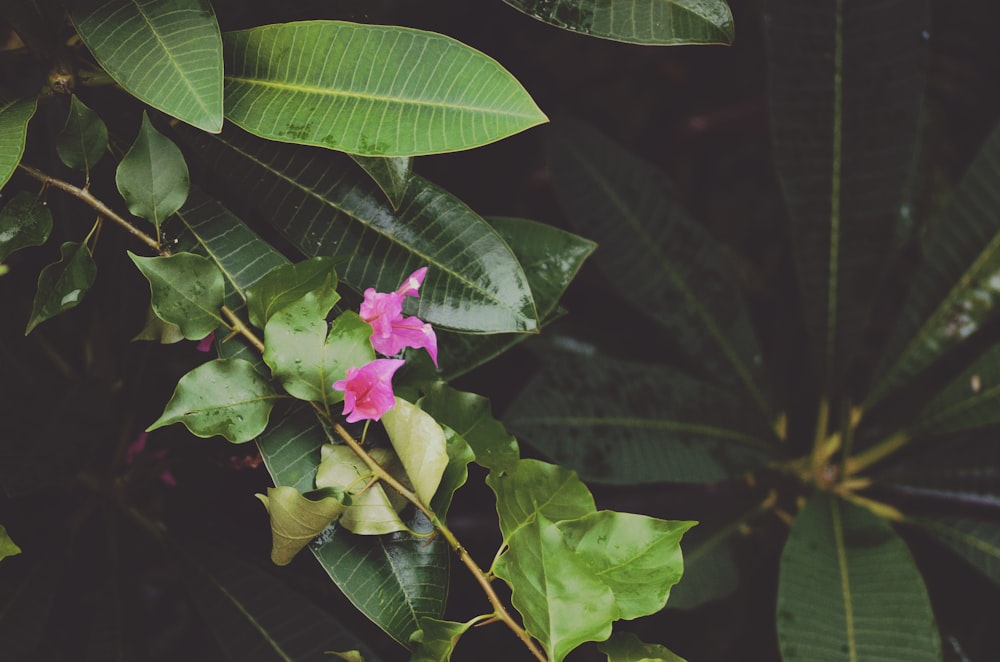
(661, 261)
(324, 205)
(152, 176)
(409, 573)
(436, 640)
(955, 291)
(563, 602)
(390, 173)
(24, 221)
(224, 397)
(167, 54)
(373, 511)
(336, 84)
(254, 615)
(297, 518)
(471, 417)
(649, 22)
(620, 422)
(14, 116)
(532, 488)
(187, 290)
(7, 546)
(84, 139)
(62, 285)
(626, 647)
(970, 401)
(849, 589)
(420, 444)
(846, 85)
(975, 540)
(638, 557)
(287, 283)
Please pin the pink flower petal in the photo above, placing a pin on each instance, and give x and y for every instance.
(368, 389)
(205, 344)
(407, 332)
(412, 284)
(135, 449)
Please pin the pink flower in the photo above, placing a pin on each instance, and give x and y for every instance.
(205, 344)
(368, 389)
(391, 331)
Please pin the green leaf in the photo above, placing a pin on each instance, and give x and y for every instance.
(307, 357)
(289, 282)
(7, 546)
(844, 153)
(977, 541)
(455, 474)
(254, 615)
(533, 488)
(83, 140)
(470, 416)
(620, 422)
(638, 557)
(187, 290)
(152, 176)
(159, 331)
(626, 647)
(225, 397)
(24, 221)
(14, 116)
(661, 261)
(650, 22)
(167, 54)
(970, 401)
(849, 590)
(373, 511)
(63, 284)
(410, 572)
(562, 601)
(420, 444)
(338, 85)
(323, 205)
(391, 174)
(296, 519)
(955, 290)
(436, 640)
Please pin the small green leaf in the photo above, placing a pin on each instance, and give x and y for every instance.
(306, 357)
(420, 444)
(187, 290)
(225, 397)
(14, 116)
(470, 416)
(83, 140)
(626, 647)
(391, 174)
(435, 641)
(532, 488)
(153, 177)
(7, 546)
(288, 283)
(159, 331)
(24, 221)
(296, 519)
(61, 285)
(373, 511)
(350, 656)
(167, 54)
(638, 557)
(336, 84)
(455, 474)
(648, 22)
(561, 599)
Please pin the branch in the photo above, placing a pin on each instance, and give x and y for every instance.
(101, 208)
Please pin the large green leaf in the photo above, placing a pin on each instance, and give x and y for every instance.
(255, 616)
(371, 90)
(63, 284)
(324, 205)
(650, 22)
(956, 289)
(846, 86)
(396, 579)
(977, 541)
(620, 422)
(849, 590)
(14, 116)
(663, 262)
(970, 401)
(166, 53)
(391, 174)
(24, 221)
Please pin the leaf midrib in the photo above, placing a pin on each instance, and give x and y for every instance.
(845, 582)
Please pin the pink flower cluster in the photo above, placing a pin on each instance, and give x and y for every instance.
(368, 389)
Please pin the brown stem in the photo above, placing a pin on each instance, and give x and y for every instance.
(239, 327)
(102, 208)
